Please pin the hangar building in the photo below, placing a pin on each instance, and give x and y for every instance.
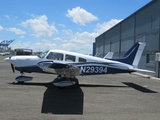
(144, 26)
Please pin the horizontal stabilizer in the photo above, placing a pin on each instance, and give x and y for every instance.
(109, 55)
(141, 70)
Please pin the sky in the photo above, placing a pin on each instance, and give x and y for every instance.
(70, 25)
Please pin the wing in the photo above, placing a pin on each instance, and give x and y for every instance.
(59, 68)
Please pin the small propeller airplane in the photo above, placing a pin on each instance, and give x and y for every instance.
(67, 65)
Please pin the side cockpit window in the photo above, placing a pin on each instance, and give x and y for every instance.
(82, 60)
(70, 58)
(55, 56)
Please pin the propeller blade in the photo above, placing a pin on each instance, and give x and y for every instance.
(12, 66)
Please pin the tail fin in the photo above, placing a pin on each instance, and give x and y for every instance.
(133, 55)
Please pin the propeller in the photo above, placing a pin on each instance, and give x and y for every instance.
(12, 66)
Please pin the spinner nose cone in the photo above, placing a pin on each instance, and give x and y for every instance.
(10, 59)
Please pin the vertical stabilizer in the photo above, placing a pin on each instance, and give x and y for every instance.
(133, 55)
(138, 54)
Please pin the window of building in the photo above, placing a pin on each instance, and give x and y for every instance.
(151, 58)
(82, 60)
(70, 58)
(55, 56)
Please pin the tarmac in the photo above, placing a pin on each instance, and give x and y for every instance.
(101, 97)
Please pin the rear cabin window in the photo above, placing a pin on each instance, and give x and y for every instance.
(55, 56)
(70, 58)
(82, 60)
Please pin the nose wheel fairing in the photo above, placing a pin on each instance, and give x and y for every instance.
(22, 78)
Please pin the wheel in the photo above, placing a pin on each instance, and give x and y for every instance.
(20, 82)
(61, 87)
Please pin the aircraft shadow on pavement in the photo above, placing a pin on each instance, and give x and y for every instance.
(70, 99)
(96, 85)
(138, 87)
(60, 101)
(63, 101)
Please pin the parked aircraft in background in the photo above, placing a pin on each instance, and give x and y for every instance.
(4, 53)
(67, 65)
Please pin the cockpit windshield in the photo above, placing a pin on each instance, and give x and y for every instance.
(43, 54)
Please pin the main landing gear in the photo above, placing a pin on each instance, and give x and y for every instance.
(63, 81)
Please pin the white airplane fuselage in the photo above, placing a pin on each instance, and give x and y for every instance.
(70, 64)
(32, 63)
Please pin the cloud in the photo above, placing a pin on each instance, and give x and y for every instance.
(57, 38)
(16, 31)
(62, 25)
(100, 28)
(67, 32)
(22, 36)
(7, 16)
(81, 42)
(80, 16)
(42, 45)
(40, 26)
(75, 42)
(1, 28)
